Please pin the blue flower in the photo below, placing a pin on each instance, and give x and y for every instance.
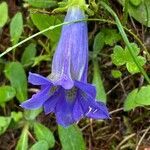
(71, 56)
(65, 91)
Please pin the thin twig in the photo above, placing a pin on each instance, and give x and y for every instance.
(30, 135)
(115, 111)
(123, 88)
(118, 84)
(141, 139)
(124, 140)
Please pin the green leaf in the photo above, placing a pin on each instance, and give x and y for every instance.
(97, 81)
(40, 58)
(99, 42)
(16, 28)
(43, 21)
(3, 14)
(138, 97)
(14, 71)
(23, 140)
(42, 3)
(116, 73)
(141, 13)
(118, 57)
(130, 64)
(143, 96)
(32, 114)
(40, 145)
(4, 123)
(16, 116)
(6, 93)
(71, 138)
(135, 50)
(130, 100)
(135, 2)
(122, 56)
(111, 36)
(28, 54)
(105, 37)
(132, 67)
(43, 133)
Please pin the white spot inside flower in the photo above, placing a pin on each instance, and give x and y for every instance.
(90, 109)
(95, 111)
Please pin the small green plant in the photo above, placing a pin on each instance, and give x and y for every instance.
(122, 57)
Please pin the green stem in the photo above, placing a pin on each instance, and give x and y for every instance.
(128, 30)
(29, 38)
(53, 27)
(125, 12)
(47, 29)
(147, 13)
(95, 19)
(124, 36)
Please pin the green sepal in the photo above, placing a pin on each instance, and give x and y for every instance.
(63, 6)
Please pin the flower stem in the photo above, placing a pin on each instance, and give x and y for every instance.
(29, 38)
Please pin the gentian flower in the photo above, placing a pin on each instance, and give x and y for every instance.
(65, 91)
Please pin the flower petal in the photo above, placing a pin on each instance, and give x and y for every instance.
(37, 79)
(87, 88)
(37, 100)
(50, 104)
(93, 109)
(101, 112)
(65, 82)
(78, 113)
(64, 111)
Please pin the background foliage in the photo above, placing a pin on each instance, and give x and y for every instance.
(118, 63)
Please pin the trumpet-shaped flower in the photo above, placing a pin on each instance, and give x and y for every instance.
(70, 59)
(65, 91)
